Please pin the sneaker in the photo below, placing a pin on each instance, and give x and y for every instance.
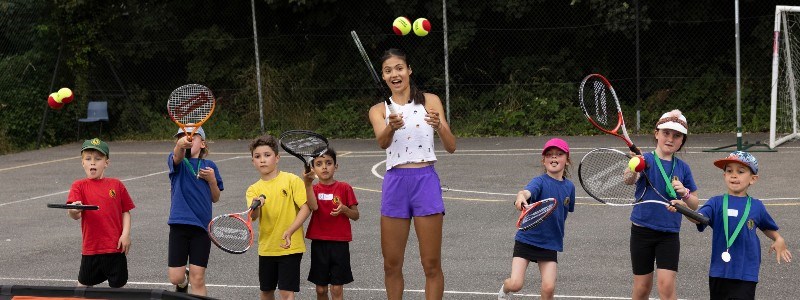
(503, 296)
(184, 287)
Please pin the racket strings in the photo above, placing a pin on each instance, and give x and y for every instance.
(231, 233)
(602, 175)
(191, 103)
(598, 107)
(305, 145)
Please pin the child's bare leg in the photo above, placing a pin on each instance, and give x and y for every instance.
(549, 272)
(514, 283)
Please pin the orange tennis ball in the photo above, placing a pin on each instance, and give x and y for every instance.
(54, 101)
(637, 164)
(401, 26)
(422, 27)
(66, 95)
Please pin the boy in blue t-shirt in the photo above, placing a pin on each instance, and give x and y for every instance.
(735, 247)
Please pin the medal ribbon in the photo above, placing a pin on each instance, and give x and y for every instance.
(729, 240)
(670, 190)
(186, 161)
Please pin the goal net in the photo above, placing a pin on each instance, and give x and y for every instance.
(785, 76)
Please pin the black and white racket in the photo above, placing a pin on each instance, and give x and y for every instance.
(233, 233)
(381, 86)
(601, 173)
(535, 213)
(304, 144)
(73, 206)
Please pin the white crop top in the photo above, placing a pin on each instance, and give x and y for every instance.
(413, 143)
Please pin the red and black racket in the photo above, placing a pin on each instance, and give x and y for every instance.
(190, 106)
(601, 106)
(535, 213)
(233, 233)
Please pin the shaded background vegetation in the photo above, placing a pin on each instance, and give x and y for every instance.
(514, 65)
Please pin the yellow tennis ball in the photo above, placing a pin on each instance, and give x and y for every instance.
(66, 95)
(422, 27)
(401, 26)
(57, 97)
(636, 164)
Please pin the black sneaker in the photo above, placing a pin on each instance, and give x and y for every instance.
(185, 287)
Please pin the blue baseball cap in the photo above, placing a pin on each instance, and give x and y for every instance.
(741, 157)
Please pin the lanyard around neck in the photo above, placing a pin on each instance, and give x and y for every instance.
(195, 173)
(729, 240)
(670, 190)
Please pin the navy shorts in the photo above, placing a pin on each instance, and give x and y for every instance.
(188, 240)
(101, 267)
(648, 245)
(281, 271)
(411, 192)
(330, 263)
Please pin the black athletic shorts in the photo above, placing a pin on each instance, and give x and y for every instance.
(725, 289)
(533, 253)
(281, 271)
(330, 263)
(649, 245)
(188, 241)
(101, 267)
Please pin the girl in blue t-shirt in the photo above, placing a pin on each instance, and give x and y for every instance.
(195, 183)
(542, 244)
(735, 216)
(655, 229)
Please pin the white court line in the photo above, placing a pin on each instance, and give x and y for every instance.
(311, 289)
(123, 180)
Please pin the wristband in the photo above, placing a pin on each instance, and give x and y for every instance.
(687, 195)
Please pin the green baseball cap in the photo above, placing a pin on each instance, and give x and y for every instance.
(95, 144)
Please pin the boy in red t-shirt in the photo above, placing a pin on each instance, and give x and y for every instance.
(106, 231)
(333, 204)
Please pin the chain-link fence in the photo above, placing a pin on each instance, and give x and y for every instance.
(513, 66)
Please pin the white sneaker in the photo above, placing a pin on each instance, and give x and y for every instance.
(503, 296)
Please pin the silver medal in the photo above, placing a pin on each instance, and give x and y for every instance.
(726, 257)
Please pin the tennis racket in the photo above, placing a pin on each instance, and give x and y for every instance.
(190, 105)
(378, 82)
(535, 213)
(601, 106)
(233, 233)
(304, 144)
(73, 206)
(601, 175)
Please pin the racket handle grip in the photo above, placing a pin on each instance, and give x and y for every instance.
(635, 149)
(692, 214)
(257, 202)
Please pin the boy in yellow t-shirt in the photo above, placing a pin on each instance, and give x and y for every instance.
(282, 213)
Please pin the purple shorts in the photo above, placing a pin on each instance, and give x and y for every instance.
(411, 192)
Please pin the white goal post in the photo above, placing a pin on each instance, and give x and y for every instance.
(783, 119)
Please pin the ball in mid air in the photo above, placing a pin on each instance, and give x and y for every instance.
(401, 26)
(636, 164)
(422, 27)
(54, 101)
(66, 95)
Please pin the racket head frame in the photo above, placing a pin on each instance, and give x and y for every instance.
(627, 196)
(191, 105)
(620, 125)
(320, 141)
(244, 218)
(531, 208)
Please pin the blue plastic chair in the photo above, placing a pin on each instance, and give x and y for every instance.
(97, 111)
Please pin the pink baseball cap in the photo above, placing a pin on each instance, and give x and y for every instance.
(556, 142)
